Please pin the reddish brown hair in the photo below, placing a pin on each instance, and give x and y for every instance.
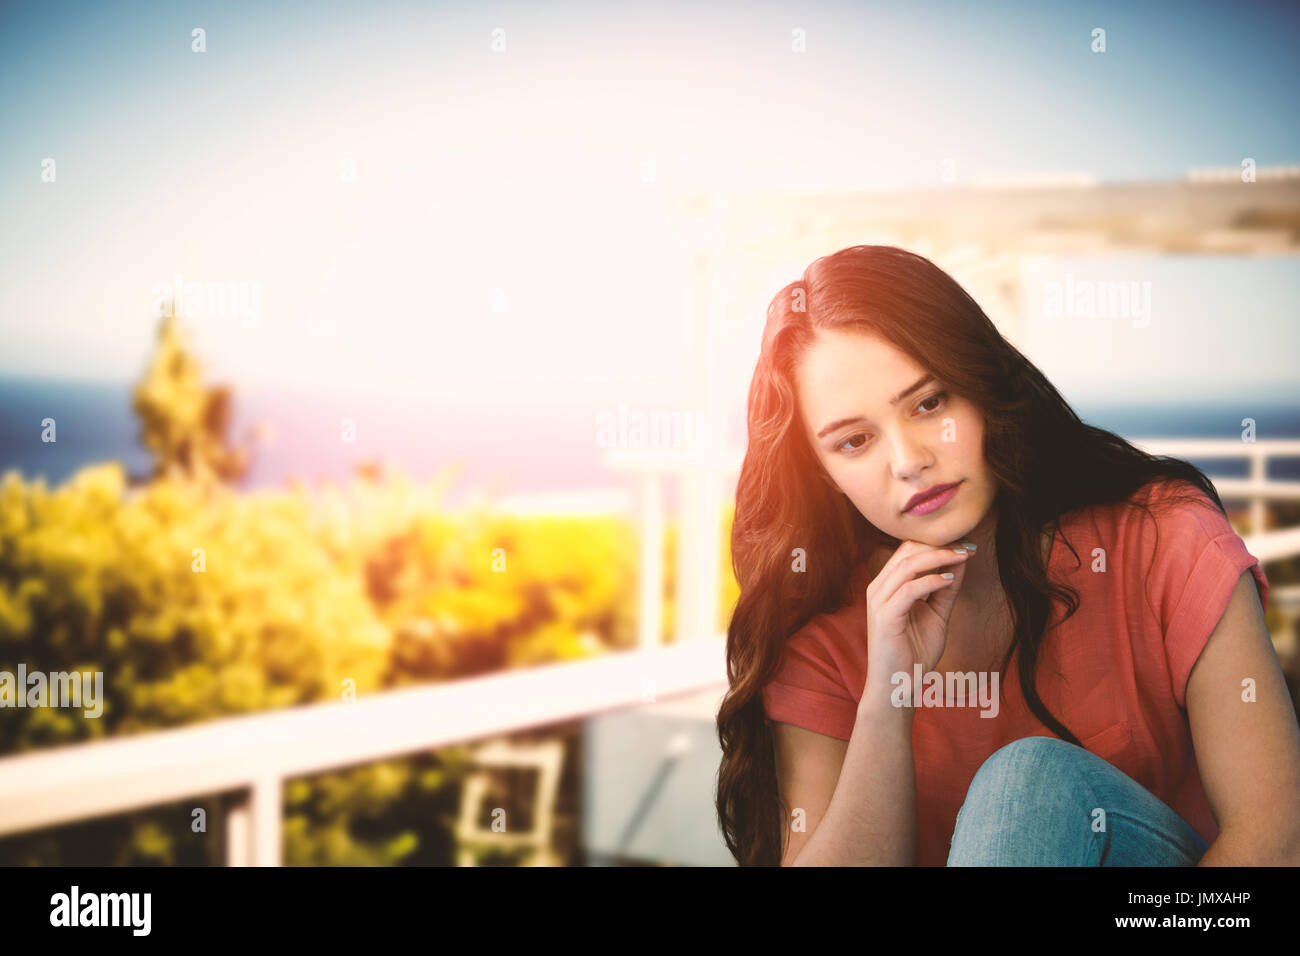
(1046, 461)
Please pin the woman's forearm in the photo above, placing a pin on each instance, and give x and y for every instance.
(871, 820)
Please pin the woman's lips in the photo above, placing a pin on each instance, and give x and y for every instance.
(935, 501)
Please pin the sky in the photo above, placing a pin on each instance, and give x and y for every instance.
(1201, 327)
(411, 212)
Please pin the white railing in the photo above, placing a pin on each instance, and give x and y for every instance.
(700, 474)
(1258, 489)
(256, 753)
(253, 755)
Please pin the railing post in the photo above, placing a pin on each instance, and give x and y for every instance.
(253, 825)
(1258, 476)
(651, 583)
(268, 808)
(697, 551)
(236, 835)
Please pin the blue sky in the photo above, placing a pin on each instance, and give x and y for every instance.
(523, 172)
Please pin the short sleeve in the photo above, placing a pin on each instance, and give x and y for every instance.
(1197, 562)
(809, 690)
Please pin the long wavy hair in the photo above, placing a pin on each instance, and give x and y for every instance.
(1046, 462)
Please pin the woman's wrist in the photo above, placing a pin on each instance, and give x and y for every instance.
(876, 704)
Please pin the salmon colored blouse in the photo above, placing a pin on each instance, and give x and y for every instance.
(1115, 673)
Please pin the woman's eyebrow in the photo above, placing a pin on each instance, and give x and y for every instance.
(919, 383)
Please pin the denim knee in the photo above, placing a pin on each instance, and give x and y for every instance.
(1023, 758)
(1019, 770)
(1029, 794)
(1038, 749)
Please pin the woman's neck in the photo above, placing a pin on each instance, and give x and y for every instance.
(981, 584)
(981, 588)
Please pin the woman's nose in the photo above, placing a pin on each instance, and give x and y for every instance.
(909, 459)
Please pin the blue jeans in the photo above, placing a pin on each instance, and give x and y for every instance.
(1041, 801)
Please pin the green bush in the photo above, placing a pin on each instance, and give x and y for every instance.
(197, 601)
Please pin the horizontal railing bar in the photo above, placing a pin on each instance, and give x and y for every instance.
(1285, 595)
(1273, 545)
(1248, 488)
(1219, 447)
(82, 780)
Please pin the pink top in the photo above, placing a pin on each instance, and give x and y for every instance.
(1115, 673)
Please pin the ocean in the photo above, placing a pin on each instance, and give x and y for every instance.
(544, 446)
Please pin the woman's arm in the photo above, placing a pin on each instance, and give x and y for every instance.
(870, 817)
(1248, 751)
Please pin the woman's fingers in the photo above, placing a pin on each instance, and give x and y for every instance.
(918, 560)
(883, 577)
(942, 600)
(918, 589)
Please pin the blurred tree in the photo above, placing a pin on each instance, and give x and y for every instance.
(183, 423)
(301, 595)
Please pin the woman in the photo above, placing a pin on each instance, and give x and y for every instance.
(916, 497)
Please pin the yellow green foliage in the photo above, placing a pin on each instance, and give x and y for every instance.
(184, 423)
(197, 601)
(193, 602)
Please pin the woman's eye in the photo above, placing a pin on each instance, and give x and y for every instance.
(937, 398)
(849, 439)
(926, 405)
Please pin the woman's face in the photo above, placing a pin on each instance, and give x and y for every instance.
(881, 453)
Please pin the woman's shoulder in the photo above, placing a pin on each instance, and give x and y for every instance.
(825, 657)
(1159, 497)
(1171, 532)
(1165, 506)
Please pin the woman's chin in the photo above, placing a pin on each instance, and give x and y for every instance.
(940, 530)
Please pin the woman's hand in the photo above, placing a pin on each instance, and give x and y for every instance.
(908, 606)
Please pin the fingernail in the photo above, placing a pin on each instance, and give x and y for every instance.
(962, 551)
(970, 546)
(947, 575)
